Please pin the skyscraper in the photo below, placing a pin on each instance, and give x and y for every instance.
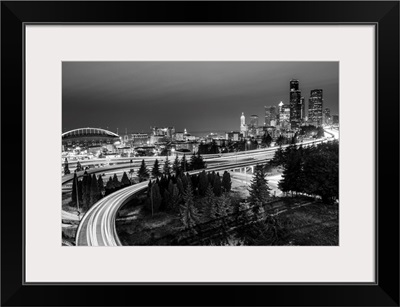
(267, 120)
(254, 121)
(271, 116)
(326, 117)
(315, 107)
(243, 127)
(295, 104)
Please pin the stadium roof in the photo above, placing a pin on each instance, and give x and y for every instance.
(89, 131)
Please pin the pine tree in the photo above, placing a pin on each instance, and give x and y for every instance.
(143, 173)
(94, 191)
(226, 182)
(155, 172)
(78, 166)
(100, 184)
(110, 186)
(66, 169)
(176, 166)
(184, 164)
(180, 186)
(155, 198)
(86, 190)
(125, 180)
(209, 202)
(200, 161)
(203, 183)
(225, 205)
(74, 189)
(117, 184)
(189, 213)
(80, 192)
(193, 161)
(217, 188)
(259, 190)
(175, 198)
(167, 167)
(280, 140)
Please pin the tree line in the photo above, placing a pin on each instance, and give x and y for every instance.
(313, 170)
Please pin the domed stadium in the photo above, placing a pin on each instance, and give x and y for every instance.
(88, 137)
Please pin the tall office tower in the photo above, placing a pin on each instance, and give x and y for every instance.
(284, 116)
(274, 116)
(327, 116)
(253, 124)
(303, 109)
(243, 127)
(267, 121)
(295, 104)
(315, 107)
(294, 85)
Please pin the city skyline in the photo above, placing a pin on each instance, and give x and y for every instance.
(137, 95)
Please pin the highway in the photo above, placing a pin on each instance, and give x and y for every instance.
(97, 227)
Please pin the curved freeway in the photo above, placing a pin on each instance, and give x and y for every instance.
(97, 227)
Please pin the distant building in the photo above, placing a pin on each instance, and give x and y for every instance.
(254, 121)
(326, 117)
(233, 135)
(271, 116)
(243, 126)
(315, 107)
(295, 104)
(303, 109)
(167, 132)
(335, 119)
(179, 136)
(284, 116)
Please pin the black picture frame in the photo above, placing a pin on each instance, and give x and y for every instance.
(383, 14)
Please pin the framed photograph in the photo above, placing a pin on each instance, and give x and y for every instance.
(155, 149)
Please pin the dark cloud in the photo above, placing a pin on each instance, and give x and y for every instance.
(199, 96)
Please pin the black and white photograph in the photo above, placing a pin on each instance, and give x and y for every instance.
(223, 153)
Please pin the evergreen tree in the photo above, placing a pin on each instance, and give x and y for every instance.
(203, 183)
(259, 190)
(125, 180)
(225, 205)
(226, 182)
(189, 213)
(66, 169)
(74, 189)
(155, 172)
(94, 191)
(184, 164)
(86, 191)
(180, 186)
(80, 192)
(209, 202)
(167, 167)
(200, 164)
(185, 180)
(143, 173)
(193, 161)
(320, 132)
(292, 167)
(280, 140)
(117, 184)
(176, 166)
(155, 198)
(279, 157)
(78, 167)
(100, 184)
(217, 188)
(110, 186)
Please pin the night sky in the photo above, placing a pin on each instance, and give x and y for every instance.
(199, 96)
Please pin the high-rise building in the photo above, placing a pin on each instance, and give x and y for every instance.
(303, 109)
(326, 117)
(243, 127)
(315, 107)
(295, 104)
(284, 116)
(254, 121)
(294, 85)
(267, 118)
(271, 116)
